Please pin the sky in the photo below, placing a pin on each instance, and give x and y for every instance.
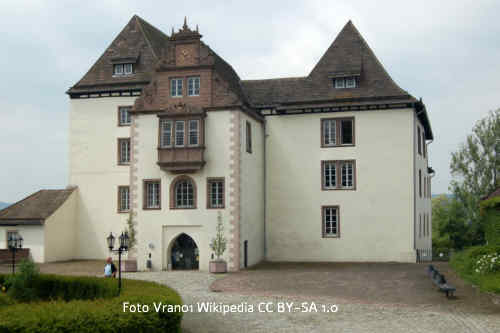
(443, 51)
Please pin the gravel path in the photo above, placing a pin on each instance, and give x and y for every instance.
(194, 288)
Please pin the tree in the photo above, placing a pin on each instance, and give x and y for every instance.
(218, 244)
(131, 231)
(475, 169)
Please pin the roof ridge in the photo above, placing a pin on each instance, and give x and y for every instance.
(278, 78)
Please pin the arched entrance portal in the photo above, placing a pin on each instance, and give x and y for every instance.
(184, 253)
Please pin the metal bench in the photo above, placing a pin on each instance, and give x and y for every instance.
(440, 281)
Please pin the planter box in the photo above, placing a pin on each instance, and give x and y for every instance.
(218, 267)
(129, 265)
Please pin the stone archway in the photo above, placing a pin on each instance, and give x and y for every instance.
(184, 253)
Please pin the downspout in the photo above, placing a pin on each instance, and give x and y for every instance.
(265, 188)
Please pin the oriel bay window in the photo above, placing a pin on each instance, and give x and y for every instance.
(165, 133)
(179, 133)
(337, 132)
(338, 175)
(330, 221)
(194, 132)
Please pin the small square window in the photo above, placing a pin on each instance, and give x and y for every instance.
(339, 83)
(350, 82)
(118, 69)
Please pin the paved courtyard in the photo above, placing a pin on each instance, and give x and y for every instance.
(381, 297)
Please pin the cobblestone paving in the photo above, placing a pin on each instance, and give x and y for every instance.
(351, 316)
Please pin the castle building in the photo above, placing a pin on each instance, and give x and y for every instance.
(332, 166)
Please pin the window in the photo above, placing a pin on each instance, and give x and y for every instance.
(344, 82)
(184, 194)
(124, 151)
(194, 132)
(11, 234)
(338, 175)
(165, 133)
(419, 225)
(179, 133)
(347, 131)
(330, 221)
(249, 137)
(330, 175)
(215, 193)
(152, 197)
(194, 86)
(424, 144)
(123, 199)
(337, 132)
(176, 87)
(420, 183)
(123, 69)
(419, 142)
(124, 115)
(329, 132)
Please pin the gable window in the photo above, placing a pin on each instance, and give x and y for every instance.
(338, 175)
(124, 151)
(330, 221)
(194, 132)
(179, 133)
(176, 87)
(124, 118)
(344, 82)
(184, 194)
(337, 132)
(152, 197)
(123, 69)
(249, 137)
(194, 86)
(165, 133)
(123, 199)
(215, 193)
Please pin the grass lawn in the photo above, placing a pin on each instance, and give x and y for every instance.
(464, 263)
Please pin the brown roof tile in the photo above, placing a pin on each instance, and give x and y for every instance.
(35, 208)
(138, 40)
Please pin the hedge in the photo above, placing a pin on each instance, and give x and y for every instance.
(490, 210)
(97, 310)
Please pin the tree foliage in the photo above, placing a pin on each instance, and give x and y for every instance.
(475, 169)
(218, 244)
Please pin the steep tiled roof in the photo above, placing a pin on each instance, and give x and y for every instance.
(34, 209)
(139, 41)
(349, 54)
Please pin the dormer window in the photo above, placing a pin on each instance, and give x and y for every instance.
(344, 82)
(123, 69)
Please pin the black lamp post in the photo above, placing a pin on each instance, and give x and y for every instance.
(14, 243)
(124, 240)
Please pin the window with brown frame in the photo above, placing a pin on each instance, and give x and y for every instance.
(330, 221)
(152, 194)
(420, 183)
(338, 175)
(249, 137)
(337, 132)
(184, 194)
(124, 118)
(123, 199)
(124, 151)
(215, 193)
(165, 133)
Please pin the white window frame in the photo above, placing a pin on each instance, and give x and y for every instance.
(195, 131)
(332, 176)
(350, 82)
(349, 165)
(165, 134)
(124, 153)
(124, 117)
(178, 133)
(339, 83)
(176, 86)
(116, 71)
(330, 128)
(182, 191)
(123, 199)
(194, 86)
(153, 197)
(332, 219)
(128, 69)
(216, 198)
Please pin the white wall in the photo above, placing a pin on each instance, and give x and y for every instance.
(376, 220)
(33, 236)
(94, 169)
(160, 227)
(252, 192)
(60, 231)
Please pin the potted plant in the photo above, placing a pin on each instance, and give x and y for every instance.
(218, 246)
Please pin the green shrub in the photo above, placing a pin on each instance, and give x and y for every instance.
(21, 286)
(98, 315)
